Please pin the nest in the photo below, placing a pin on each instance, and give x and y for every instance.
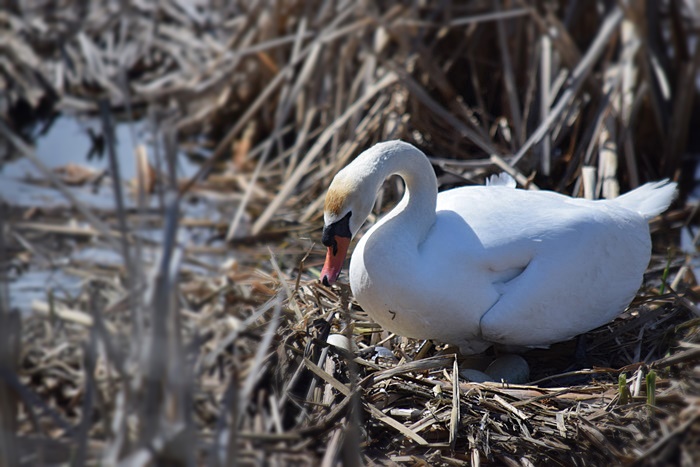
(167, 356)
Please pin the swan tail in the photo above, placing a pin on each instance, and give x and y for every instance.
(501, 179)
(650, 199)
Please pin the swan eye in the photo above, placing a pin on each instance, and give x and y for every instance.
(331, 242)
(340, 228)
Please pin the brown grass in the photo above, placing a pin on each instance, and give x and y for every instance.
(166, 358)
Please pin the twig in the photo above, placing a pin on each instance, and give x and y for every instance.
(575, 81)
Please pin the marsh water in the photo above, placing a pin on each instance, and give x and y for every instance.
(55, 264)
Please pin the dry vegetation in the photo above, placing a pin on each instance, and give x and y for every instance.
(165, 359)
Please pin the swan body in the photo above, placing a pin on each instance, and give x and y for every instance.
(479, 265)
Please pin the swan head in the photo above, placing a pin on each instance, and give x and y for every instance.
(346, 208)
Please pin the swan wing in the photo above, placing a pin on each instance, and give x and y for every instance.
(560, 266)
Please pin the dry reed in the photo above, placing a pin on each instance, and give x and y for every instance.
(165, 358)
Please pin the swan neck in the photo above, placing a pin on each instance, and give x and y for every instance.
(417, 207)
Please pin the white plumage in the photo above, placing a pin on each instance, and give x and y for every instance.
(475, 266)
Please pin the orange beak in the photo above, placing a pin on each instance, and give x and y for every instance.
(334, 260)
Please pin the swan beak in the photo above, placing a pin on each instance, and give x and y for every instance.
(334, 260)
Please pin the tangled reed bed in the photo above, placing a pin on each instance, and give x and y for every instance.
(168, 358)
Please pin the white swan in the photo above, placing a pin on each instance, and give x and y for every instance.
(479, 265)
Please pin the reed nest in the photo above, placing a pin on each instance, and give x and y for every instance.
(165, 358)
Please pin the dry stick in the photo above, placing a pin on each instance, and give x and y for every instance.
(330, 457)
(295, 39)
(474, 164)
(588, 175)
(118, 417)
(545, 75)
(630, 104)
(687, 264)
(679, 124)
(568, 52)
(654, 63)
(338, 161)
(156, 123)
(455, 414)
(573, 373)
(275, 415)
(27, 152)
(597, 127)
(89, 392)
(148, 455)
(95, 67)
(233, 227)
(351, 442)
(67, 314)
(10, 346)
(295, 53)
(290, 296)
(108, 132)
(689, 355)
(160, 305)
(339, 99)
(509, 78)
(315, 150)
(485, 17)
(110, 454)
(533, 70)
(290, 384)
(302, 80)
(302, 138)
(576, 79)
(70, 230)
(316, 369)
(430, 363)
(226, 453)
(260, 353)
(467, 20)
(180, 375)
(334, 34)
(591, 135)
(401, 428)
(506, 405)
(608, 185)
(324, 375)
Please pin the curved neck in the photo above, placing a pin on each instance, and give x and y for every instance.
(415, 213)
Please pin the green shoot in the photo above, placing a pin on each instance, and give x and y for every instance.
(651, 389)
(623, 390)
(664, 276)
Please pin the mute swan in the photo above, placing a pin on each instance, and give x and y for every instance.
(479, 265)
